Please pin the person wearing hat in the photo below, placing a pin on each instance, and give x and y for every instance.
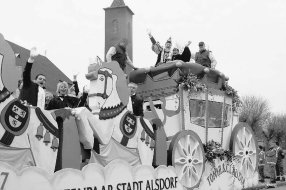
(119, 53)
(205, 57)
(164, 54)
(185, 56)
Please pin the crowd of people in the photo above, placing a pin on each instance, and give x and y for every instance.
(270, 164)
(34, 93)
(204, 57)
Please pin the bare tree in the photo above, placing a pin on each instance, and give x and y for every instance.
(255, 111)
(277, 127)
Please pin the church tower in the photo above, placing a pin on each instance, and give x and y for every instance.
(118, 25)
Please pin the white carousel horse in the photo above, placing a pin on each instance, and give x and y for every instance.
(120, 134)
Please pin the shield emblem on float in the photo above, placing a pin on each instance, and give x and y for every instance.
(128, 125)
(14, 117)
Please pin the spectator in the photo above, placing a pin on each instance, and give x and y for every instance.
(261, 163)
(271, 160)
(119, 53)
(137, 102)
(49, 96)
(279, 165)
(63, 100)
(32, 91)
(164, 54)
(185, 56)
(205, 57)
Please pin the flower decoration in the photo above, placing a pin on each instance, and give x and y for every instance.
(191, 82)
(236, 102)
(213, 150)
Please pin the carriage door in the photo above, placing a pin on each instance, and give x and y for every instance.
(215, 109)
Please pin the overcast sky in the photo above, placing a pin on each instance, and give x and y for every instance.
(247, 37)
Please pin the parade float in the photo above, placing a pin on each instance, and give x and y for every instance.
(189, 137)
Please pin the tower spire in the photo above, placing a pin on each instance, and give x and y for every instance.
(117, 3)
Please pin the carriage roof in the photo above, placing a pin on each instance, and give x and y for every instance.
(163, 80)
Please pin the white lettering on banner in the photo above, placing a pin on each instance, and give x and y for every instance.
(222, 168)
(5, 174)
(156, 184)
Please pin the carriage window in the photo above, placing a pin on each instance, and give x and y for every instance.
(197, 112)
(227, 114)
(215, 109)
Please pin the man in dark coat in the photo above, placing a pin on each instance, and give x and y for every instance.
(32, 91)
(185, 56)
(137, 102)
(118, 53)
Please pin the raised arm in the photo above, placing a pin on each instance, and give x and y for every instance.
(76, 89)
(186, 54)
(27, 70)
(110, 53)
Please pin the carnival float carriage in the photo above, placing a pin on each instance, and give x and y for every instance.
(186, 106)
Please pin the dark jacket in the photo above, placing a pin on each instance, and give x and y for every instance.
(120, 56)
(185, 56)
(137, 105)
(202, 57)
(66, 101)
(29, 91)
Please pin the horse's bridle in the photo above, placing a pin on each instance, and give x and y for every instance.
(104, 95)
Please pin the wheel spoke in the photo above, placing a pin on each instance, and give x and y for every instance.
(196, 162)
(188, 180)
(239, 143)
(182, 172)
(188, 144)
(243, 136)
(249, 141)
(196, 176)
(240, 153)
(181, 161)
(181, 149)
(195, 149)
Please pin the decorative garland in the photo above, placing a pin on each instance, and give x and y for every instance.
(192, 83)
(236, 102)
(213, 151)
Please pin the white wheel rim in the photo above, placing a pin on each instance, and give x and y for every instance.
(188, 160)
(245, 151)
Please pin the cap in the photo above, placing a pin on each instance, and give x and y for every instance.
(201, 43)
(169, 40)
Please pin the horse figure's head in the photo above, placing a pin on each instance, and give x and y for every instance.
(108, 93)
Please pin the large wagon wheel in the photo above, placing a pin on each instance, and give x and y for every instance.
(244, 146)
(187, 153)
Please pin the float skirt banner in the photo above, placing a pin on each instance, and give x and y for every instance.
(117, 175)
(225, 175)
